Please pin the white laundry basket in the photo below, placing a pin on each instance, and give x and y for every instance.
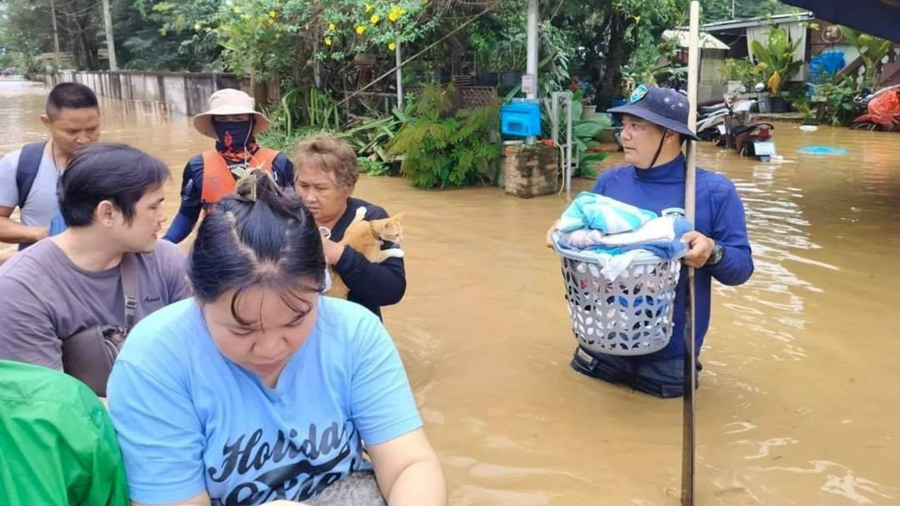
(632, 315)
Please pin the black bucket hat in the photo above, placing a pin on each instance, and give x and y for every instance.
(661, 106)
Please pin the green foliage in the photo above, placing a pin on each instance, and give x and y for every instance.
(278, 139)
(167, 35)
(556, 52)
(498, 42)
(443, 148)
(322, 111)
(264, 35)
(871, 49)
(835, 103)
(776, 59)
(740, 69)
(371, 135)
(25, 33)
(649, 60)
(374, 167)
(584, 130)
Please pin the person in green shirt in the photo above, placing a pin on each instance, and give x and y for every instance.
(57, 444)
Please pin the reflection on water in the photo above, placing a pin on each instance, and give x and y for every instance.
(799, 401)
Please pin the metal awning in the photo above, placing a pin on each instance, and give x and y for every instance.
(877, 17)
(735, 24)
(682, 37)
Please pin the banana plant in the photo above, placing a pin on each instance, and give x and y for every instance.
(871, 49)
(775, 61)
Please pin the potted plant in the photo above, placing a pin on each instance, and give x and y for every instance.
(776, 64)
(584, 92)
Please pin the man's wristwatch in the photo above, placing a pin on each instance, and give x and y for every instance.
(718, 253)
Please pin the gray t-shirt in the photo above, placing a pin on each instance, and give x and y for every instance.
(46, 297)
(42, 202)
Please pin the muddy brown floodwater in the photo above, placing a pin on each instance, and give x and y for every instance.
(800, 394)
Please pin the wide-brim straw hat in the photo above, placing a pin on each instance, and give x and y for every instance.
(226, 102)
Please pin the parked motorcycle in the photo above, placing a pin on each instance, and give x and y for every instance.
(748, 139)
(711, 121)
(882, 111)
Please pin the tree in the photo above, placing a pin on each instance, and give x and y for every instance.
(609, 31)
(166, 35)
(24, 33)
(27, 32)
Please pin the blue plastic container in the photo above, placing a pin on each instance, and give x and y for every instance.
(522, 119)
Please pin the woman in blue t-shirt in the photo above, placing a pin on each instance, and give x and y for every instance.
(259, 389)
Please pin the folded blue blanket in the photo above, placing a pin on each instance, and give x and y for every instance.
(597, 212)
(666, 250)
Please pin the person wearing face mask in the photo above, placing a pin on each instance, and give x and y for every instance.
(233, 122)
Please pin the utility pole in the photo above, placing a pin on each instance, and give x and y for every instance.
(532, 46)
(732, 8)
(55, 36)
(110, 43)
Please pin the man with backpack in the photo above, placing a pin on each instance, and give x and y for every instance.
(28, 177)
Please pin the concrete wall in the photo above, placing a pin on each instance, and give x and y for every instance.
(178, 93)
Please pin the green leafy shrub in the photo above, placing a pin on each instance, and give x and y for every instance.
(442, 147)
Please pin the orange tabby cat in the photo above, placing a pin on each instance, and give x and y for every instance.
(366, 237)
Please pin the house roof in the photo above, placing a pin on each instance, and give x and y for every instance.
(707, 41)
(724, 26)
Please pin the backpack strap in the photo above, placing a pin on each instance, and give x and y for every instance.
(27, 169)
(129, 289)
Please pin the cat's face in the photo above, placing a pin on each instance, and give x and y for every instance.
(390, 229)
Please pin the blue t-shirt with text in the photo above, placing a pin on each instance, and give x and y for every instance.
(189, 419)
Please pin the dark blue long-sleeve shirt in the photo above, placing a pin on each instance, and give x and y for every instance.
(719, 216)
(192, 190)
(371, 284)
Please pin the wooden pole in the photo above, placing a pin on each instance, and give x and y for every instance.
(690, 355)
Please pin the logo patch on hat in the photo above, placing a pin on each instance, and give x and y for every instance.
(638, 93)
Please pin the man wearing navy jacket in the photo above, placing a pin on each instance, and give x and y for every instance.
(654, 129)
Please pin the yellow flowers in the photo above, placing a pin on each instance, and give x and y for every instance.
(327, 41)
(360, 29)
(375, 19)
(272, 14)
(271, 21)
(392, 46)
(332, 27)
(396, 12)
(368, 8)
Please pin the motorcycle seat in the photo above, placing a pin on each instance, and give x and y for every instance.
(711, 109)
(738, 130)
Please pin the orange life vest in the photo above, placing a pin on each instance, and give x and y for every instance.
(218, 181)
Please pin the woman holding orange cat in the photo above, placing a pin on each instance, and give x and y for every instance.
(326, 172)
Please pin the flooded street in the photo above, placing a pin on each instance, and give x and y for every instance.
(799, 400)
